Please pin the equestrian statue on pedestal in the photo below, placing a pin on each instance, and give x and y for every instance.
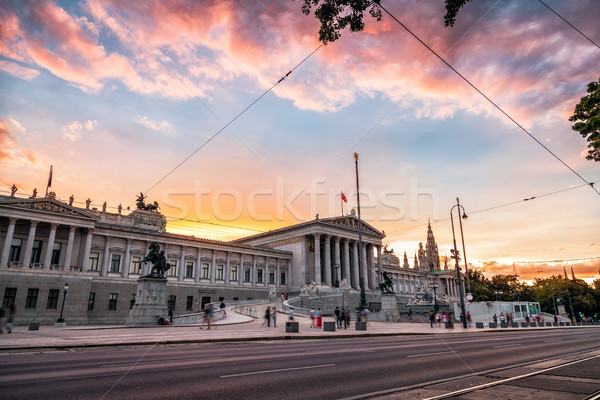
(158, 260)
(386, 285)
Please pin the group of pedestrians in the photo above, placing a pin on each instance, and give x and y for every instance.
(342, 317)
(507, 318)
(271, 316)
(440, 318)
(316, 317)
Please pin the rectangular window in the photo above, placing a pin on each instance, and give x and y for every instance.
(204, 270)
(131, 301)
(31, 300)
(282, 278)
(246, 274)
(112, 301)
(272, 277)
(10, 293)
(171, 301)
(36, 251)
(94, 257)
(136, 263)
(189, 303)
(173, 269)
(91, 301)
(220, 272)
(233, 276)
(15, 250)
(189, 269)
(52, 298)
(56, 254)
(115, 263)
(259, 276)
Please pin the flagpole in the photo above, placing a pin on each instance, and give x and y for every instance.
(49, 181)
(361, 280)
(342, 201)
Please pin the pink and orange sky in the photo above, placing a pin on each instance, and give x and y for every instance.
(115, 94)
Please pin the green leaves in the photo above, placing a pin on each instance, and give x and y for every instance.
(587, 120)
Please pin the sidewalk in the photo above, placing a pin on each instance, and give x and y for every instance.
(234, 327)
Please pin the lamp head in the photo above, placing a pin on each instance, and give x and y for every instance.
(66, 286)
(464, 216)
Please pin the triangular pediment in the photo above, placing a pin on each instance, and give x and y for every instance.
(45, 204)
(351, 222)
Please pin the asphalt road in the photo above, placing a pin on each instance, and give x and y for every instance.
(310, 369)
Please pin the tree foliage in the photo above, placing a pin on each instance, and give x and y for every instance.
(336, 15)
(587, 119)
(558, 290)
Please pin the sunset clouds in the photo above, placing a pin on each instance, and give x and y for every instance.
(118, 93)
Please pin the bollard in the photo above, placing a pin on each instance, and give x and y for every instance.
(329, 326)
(34, 326)
(292, 327)
(360, 326)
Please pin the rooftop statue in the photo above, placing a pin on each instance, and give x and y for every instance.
(141, 204)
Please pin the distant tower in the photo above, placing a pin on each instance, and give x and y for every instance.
(445, 263)
(432, 255)
(416, 264)
(405, 265)
(572, 274)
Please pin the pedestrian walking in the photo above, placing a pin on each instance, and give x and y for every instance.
(365, 314)
(268, 317)
(495, 318)
(409, 313)
(438, 318)
(10, 318)
(346, 317)
(291, 315)
(312, 314)
(207, 316)
(223, 307)
(319, 317)
(274, 317)
(502, 318)
(469, 318)
(431, 318)
(338, 320)
(170, 314)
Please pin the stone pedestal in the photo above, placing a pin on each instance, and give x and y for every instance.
(389, 307)
(150, 302)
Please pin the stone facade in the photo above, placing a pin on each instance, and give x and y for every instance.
(45, 243)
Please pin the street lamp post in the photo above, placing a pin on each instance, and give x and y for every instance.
(434, 286)
(62, 308)
(498, 293)
(363, 296)
(553, 301)
(336, 282)
(571, 304)
(455, 255)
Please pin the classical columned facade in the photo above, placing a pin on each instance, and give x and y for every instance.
(46, 242)
(326, 251)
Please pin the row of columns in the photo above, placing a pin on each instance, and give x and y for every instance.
(47, 259)
(182, 265)
(350, 270)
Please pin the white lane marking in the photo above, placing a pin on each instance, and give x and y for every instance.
(431, 354)
(277, 370)
(507, 345)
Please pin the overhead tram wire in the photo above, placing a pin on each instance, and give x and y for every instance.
(488, 99)
(233, 120)
(568, 23)
(499, 206)
(174, 219)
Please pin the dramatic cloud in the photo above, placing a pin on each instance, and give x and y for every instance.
(19, 71)
(10, 153)
(7, 142)
(182, 50)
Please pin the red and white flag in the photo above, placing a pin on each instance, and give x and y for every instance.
(344, 197)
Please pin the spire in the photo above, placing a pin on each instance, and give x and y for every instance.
(416, 264)
(572, 273)
(445, 263)
(405, 265)
(432, 254)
